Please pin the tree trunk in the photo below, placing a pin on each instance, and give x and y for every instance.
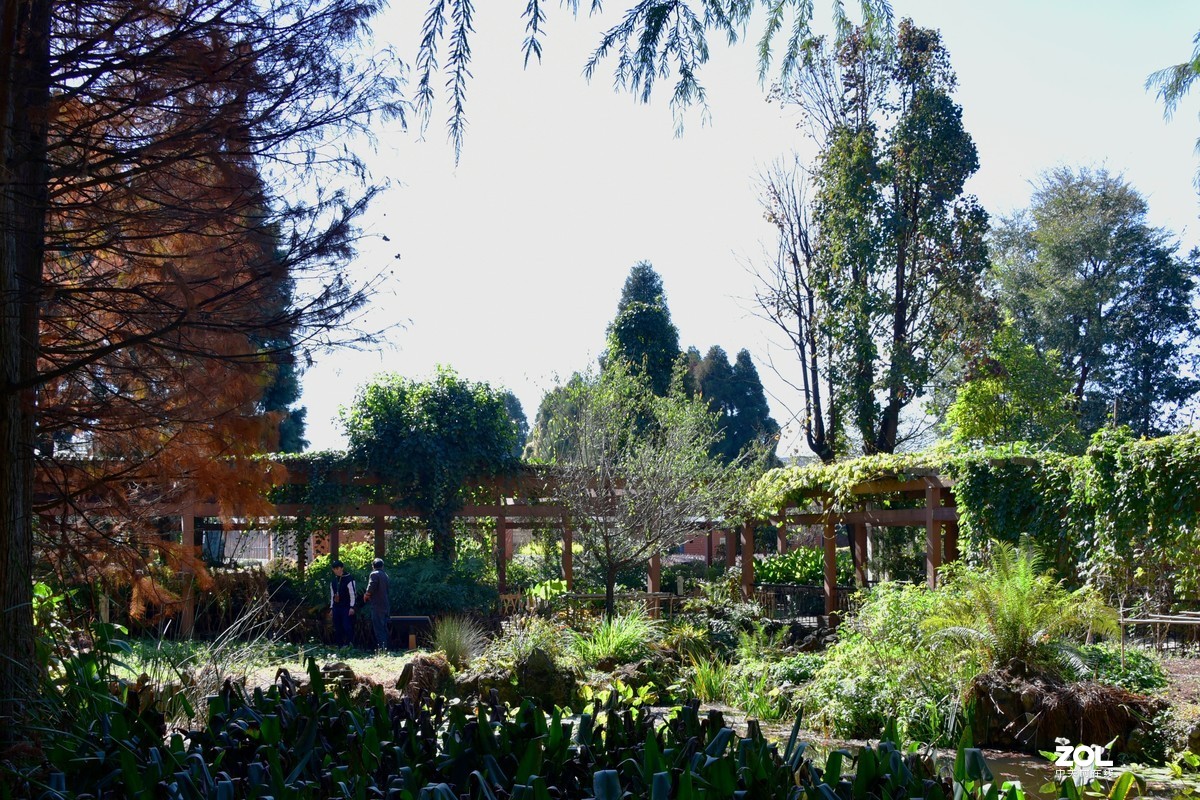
(24, 94)
(610, 594)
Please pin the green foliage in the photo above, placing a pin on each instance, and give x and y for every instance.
(642, 334)
(1141, 672)
(736, 394)
(460, 638)
(638, 474)
(1013, 393)
(1016, 616)
(803, 566)
(888, 218)
(1084, 252)
(417, 585)
(321, 741)
(426, 439)
(521, 635)
(688, 639)
(621, 639)
(1118, 516)
(883, 668)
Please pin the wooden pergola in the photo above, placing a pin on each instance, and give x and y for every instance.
(528, 495)
(938, 514)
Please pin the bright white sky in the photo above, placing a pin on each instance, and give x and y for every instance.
(511, 263)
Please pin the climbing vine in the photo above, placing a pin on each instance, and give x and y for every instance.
(1124, 516)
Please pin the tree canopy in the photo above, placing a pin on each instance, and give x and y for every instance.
(638, 473)
(425, 439)
(1084, 274)
(642, 333)
(877, 279)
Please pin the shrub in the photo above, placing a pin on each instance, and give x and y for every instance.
(1015, 615)
(884, 666)
(460, 638)
(804, 566)
(417, 585)
(708, 679)
(689, 640)
(521, 635)
(796, 669)
(622, 639)
(1142, 671)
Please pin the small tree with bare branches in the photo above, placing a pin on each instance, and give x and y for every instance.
(638, 475)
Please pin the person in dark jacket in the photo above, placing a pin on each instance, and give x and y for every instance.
(380, 604)
(342, 597)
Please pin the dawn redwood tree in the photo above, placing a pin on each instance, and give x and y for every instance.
(157, 181)
(652, 41)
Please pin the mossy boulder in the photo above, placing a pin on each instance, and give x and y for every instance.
(428, 673)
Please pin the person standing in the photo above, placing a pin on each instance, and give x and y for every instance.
(342, 590)
(379, 603)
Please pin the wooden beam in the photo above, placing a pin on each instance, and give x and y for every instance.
(730, 547)
(748, 560)
(893, 485)
(860, 552)
(191, 543)
(883, 517)
(335, 541)
(933, 535)
(501, 553)
(709, 546)
(380, 537)
(951, 542)
(781, 539)
(568, 554)
(829, 542)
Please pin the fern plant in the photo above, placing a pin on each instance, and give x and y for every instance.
(1015, 615)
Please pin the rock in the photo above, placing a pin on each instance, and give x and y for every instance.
(539, 678)
(338, 672)
(425, 673)
(1193, 739)
(482, 678)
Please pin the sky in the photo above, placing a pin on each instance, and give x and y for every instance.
(508, 265)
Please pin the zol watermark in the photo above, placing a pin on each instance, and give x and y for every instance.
(1083, 762)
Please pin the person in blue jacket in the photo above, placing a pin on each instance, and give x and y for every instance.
(342, 598)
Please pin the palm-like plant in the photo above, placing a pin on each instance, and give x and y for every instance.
(1014, 613)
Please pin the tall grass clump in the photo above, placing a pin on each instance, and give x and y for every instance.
(620, 639)
(460, 638)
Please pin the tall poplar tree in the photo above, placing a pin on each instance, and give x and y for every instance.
(878, 277)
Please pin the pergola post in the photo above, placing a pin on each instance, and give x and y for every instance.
(335, 541)
(829, 542)
(191, 545)
(860, 550)
(748, 560)
(501, 553)
(951, 542)
(568, 556)
(380, 538)
(730, 547)
(709, 546)
(933, 535)
(781, 537)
